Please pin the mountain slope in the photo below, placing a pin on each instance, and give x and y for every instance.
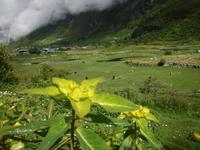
(133, 21)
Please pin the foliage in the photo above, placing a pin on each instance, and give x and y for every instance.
(46, 73)
(35, 50)
(6, 70)
(152, 86)
(80, 99)
(168, 53)
(162, 62)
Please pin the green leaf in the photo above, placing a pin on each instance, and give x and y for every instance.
(127, 144)
(82, 108)
(90, 140)
(56, 131)
(99, 118)
(146, 132)
(114, 103)
(2, 111)
(151, 117)
(28, 128)
(62, 101)
(51, 91)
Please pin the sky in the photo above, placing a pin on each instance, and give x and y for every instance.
(20, 17)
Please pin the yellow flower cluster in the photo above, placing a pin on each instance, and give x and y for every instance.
(140, 113)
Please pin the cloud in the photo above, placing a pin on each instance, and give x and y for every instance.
(20, 17)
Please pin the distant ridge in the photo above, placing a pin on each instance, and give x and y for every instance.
(134, 21)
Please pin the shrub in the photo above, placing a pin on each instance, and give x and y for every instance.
(47, 72)
(6, 70)
(153, 86)
(162, 62)
(131, 94)
(161, 95)
(168, 53)
(34, 50)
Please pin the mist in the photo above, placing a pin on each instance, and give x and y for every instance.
(20, 17)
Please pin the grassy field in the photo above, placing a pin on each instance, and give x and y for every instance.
(108, 64)
(176, 126)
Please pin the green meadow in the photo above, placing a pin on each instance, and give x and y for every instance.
(90, 64)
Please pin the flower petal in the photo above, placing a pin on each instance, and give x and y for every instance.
(65, 86)
(82, 108)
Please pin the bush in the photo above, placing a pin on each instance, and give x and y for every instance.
(161, 95)
(168, 53)
(131, 94)
(34, 51)
(153, 86)
(6, 70)
(47, 72)
(162, 62)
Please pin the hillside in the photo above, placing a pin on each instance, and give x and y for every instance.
(133, 21)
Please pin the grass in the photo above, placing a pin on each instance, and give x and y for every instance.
(92, 64)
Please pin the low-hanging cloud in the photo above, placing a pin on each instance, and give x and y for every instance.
(20, 17)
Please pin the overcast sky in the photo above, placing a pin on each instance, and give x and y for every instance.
(20, 17)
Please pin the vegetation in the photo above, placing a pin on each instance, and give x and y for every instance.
(81, 98)
(34, 50)
(6, 70)
(161, 62)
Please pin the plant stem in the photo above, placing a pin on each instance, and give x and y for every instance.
(72, 130)
(135, 130)
(136, 144)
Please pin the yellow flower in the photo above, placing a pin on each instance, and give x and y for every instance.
(1, 104)
(196, 136)
(3, 122)
(17, 124)
(140, 113)
(65, 86)
(17, 146)
(79, 95)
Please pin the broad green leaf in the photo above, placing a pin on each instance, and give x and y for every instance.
(62, 101)
(28, 128)
(120, 122)
(151, 117)
(114, 103)
(51, 91)
(146, 132)
(128, 144)
(82, 108)
(90, 140)
(65, 86)
(99, 118)
(56, 131)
